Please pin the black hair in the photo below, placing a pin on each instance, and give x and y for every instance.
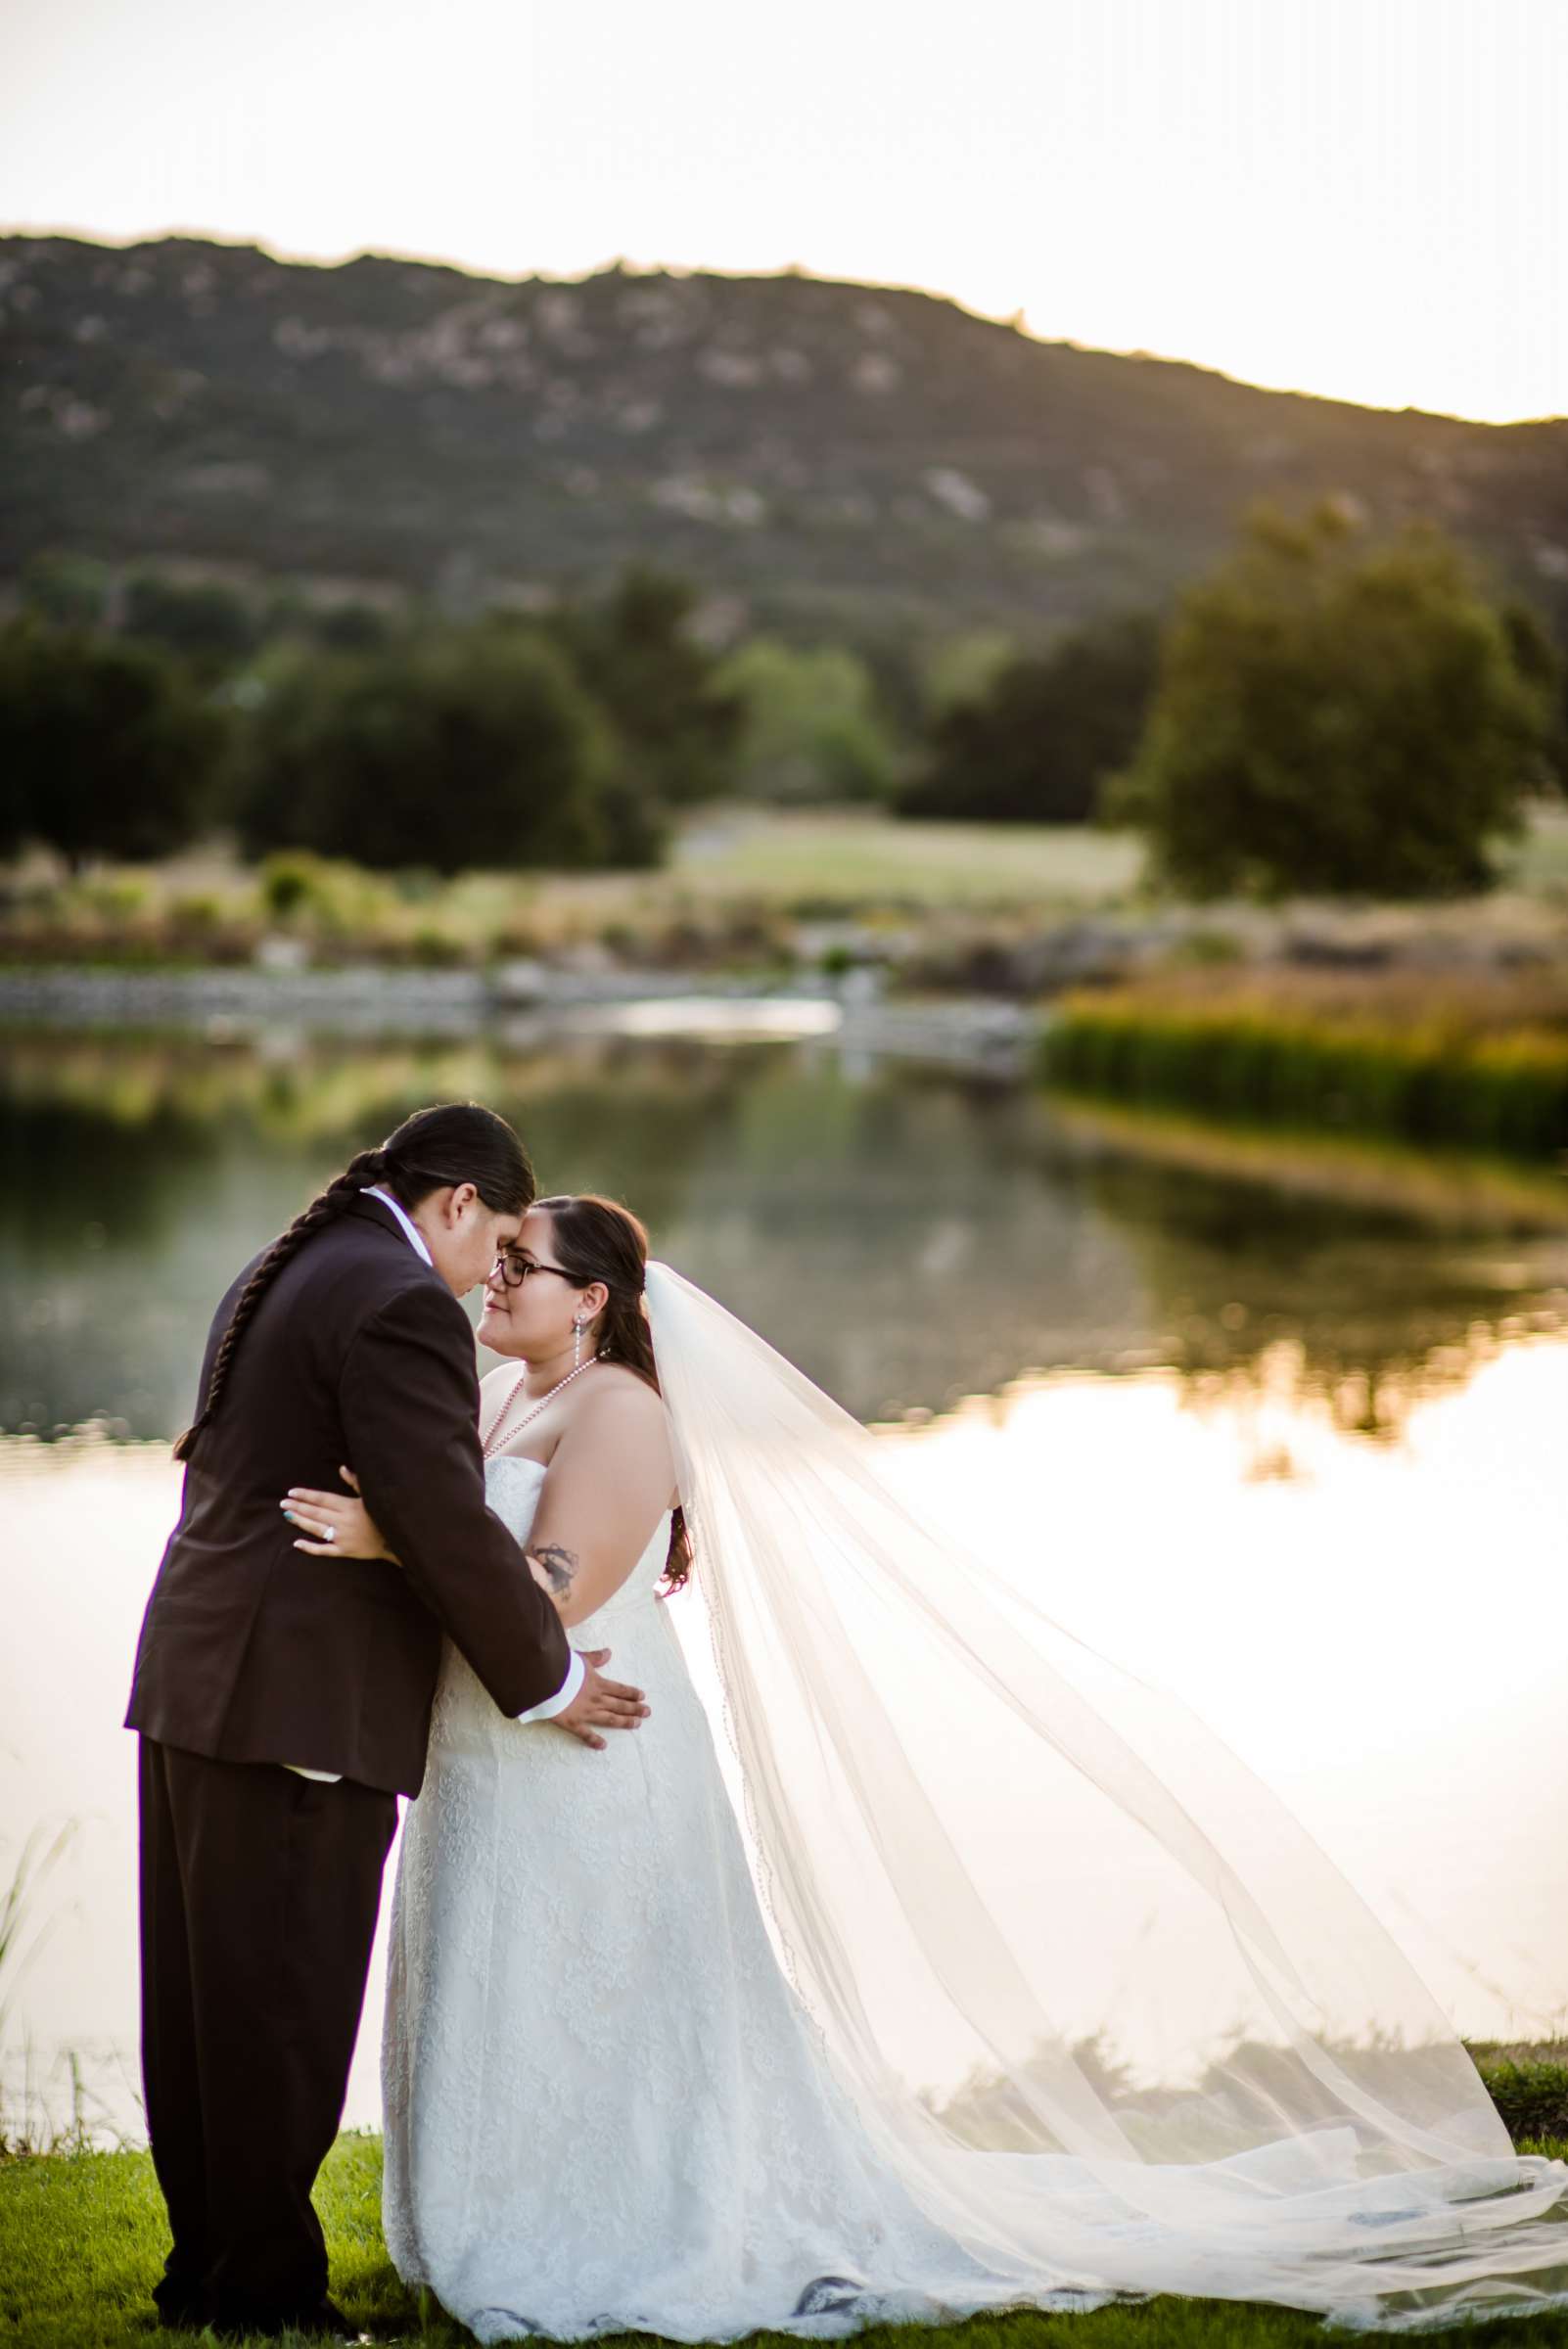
(455, 1143)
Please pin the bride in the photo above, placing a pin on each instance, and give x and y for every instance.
(838, 2047)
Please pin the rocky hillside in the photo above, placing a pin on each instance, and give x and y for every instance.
(819, 456)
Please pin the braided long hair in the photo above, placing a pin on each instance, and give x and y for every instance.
(455, 1143)
(598, 1239)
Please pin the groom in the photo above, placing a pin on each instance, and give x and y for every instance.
(284, 1702)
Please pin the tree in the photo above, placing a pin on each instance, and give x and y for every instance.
(72, 590)
(636, 655)
(810, 731)
(473, 746)
(355, 626)
(1338, 716)
(1540, 660)
(964, 668)
(208, 625)
(106, 749)
(1031, 742)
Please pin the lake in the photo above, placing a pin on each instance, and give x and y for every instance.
(1277, 1425)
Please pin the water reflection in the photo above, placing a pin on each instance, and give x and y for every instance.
(1383, 1640)
(1363, 1278)
(909, 1237)
(1211, 1328)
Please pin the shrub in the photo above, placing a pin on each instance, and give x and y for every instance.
(197, 913)
(435, 949)
(1430, 1071)
(287, 885)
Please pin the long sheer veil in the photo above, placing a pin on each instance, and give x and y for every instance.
(1110, 2014)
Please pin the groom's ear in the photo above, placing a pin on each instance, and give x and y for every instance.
(459, 1199)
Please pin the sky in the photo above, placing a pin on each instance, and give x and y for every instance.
(1363, 199)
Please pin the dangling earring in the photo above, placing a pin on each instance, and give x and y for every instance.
(576, 1345)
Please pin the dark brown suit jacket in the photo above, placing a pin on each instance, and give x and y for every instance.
(252, 1651)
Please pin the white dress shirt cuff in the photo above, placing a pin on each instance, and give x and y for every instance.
(576, 1672)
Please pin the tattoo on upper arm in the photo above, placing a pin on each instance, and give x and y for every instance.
(558, 1563)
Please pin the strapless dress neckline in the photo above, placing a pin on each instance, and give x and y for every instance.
(515, 1500)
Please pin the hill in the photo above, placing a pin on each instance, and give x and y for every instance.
(821, 456)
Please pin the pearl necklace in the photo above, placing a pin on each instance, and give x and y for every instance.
(493, 1439)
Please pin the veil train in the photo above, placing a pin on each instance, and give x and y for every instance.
(1097, 1997)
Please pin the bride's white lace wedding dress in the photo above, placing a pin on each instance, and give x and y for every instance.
(609, 2105)
(604, 2109)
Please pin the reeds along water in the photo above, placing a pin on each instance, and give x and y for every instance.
(26, 2124)
(1479, 1070)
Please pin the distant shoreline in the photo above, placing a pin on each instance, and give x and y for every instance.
(522, 1003)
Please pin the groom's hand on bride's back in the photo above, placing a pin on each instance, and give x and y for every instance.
(600, 1704)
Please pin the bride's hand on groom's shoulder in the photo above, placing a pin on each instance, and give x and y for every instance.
(335, 1525)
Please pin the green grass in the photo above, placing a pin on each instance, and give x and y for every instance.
(1538, 861)
(853, 860)
(82, 2240)
(1481, 1065)
(1528, 2082)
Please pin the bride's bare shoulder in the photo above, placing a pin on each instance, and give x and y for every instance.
(615, 1391)
(616, 1407)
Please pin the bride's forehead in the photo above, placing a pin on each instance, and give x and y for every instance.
(534, 1228)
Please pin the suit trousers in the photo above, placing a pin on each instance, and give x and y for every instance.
(259, 1897)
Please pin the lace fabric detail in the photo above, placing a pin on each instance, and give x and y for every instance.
(605, 2107)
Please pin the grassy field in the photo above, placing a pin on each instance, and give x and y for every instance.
(737, 881)
(81, 2245)
(740, 884)
(1064, 867)
(857, 859)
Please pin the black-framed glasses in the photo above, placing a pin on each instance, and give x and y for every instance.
(514, 1270)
